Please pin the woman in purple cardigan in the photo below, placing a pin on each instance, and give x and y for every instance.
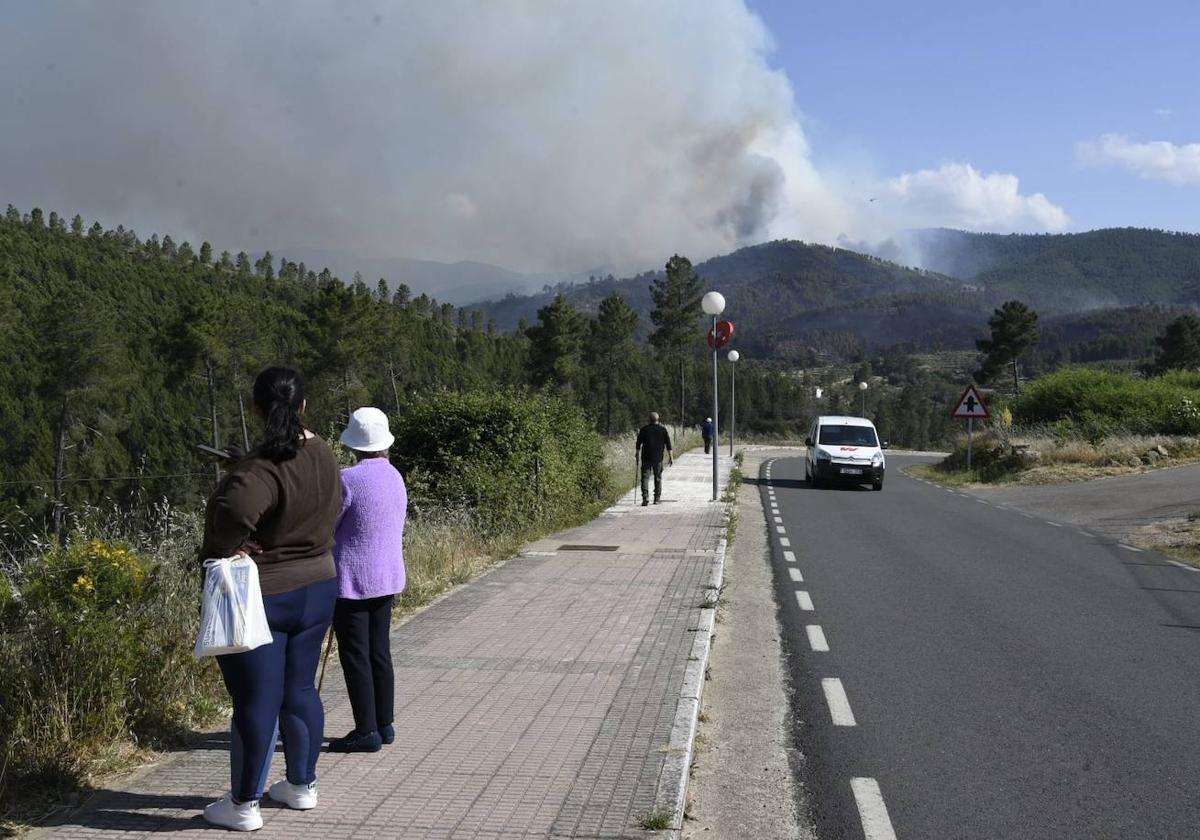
(369, 554)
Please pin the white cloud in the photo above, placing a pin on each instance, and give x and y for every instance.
(959, 195)
(1157, 160)
(1164, 112)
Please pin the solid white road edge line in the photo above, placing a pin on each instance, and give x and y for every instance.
(839, 703)
(795, 575)
(804, 600)
(789, 556)
(1130, 548)
(876, 823)
(816, 638)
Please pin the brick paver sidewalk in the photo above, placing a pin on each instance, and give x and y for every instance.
(537, 701)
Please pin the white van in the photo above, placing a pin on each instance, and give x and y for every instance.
(845, 449)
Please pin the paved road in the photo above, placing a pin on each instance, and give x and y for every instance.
(1112, 506)
(1006, 677)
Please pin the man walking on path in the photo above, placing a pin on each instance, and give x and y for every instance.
(706, 433)
(652, 441)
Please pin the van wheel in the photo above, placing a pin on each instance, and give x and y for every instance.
(878, 485)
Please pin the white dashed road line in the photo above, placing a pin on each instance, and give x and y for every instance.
(804, 600)
(1055, 524)
(1130, 548)
(876, 823)
(778, 520)
(784, 541)
(795, 575)
(839, 703)
(779, 529)
(789, 556)
(816, 638)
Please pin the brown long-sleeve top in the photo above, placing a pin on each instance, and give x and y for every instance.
(289, 508)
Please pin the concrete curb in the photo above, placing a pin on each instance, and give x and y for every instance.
(671, 796)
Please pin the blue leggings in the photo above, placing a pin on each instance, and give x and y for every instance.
(272, 688)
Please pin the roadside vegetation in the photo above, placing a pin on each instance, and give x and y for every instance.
(1080, 423)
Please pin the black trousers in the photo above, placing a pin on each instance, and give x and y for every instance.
(364, 647)
(657, 470)
(707, 445)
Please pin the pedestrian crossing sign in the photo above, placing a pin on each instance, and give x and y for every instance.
(971, 405)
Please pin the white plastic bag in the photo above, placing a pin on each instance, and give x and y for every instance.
(232, 617)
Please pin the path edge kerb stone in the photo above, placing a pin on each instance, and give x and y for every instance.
(671, 796)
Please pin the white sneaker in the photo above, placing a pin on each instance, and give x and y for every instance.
(229, 814)
(300, 797)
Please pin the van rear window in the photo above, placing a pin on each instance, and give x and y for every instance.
(847, 436)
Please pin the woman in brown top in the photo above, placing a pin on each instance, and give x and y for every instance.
(283, 499)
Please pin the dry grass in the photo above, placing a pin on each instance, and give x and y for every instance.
(1068, 460)
(1178, 537)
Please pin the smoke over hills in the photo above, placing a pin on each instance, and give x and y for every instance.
(543, 137)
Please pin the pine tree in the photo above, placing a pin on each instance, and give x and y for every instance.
(1014, 330)
(1179, 346)
(205, 253)
(676, 315)
(610, 347)
(556, 344)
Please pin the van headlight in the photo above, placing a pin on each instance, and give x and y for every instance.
(877, 459)
(822, 455)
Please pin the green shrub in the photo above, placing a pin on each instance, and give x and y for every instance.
(519, 461)
(95, 648)
(1098, 403)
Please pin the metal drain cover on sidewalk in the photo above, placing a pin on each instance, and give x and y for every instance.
(588, 547)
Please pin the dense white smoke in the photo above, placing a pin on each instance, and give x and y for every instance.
(539, 135)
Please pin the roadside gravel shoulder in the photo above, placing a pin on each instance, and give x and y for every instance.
(744, 776)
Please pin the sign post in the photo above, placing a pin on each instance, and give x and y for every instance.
(970, 406)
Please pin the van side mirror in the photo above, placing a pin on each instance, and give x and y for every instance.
(808, 441)
(884, 445)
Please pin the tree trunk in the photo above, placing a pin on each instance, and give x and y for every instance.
(392, 379)
(608, 403)
(60, 460)
(1016, 379)
(212, 411)
(237, 386)
(682, 399)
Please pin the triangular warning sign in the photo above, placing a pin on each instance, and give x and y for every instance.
(970, 404)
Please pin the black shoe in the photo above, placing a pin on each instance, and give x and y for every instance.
(370, 742)
(645, 502)
(656, 501)
(387, 733)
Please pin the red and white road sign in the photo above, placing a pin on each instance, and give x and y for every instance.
(971, 406)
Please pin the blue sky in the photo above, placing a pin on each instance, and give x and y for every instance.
(1008, 87)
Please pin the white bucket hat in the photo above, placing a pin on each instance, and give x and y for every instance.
(368, 431)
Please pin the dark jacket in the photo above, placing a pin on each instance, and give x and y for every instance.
(652, 441)
(706, 430)
(289, 508)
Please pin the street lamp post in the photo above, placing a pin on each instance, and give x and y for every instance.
(733, 356)
(862, 386)
(713, 303)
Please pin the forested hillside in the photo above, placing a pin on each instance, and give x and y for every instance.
(807, 303)
(118, 355)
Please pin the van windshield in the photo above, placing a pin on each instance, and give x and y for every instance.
(847, 436)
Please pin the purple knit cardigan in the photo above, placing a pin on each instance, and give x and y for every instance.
(369, 548)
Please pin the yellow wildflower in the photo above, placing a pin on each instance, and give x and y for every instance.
(83, 584)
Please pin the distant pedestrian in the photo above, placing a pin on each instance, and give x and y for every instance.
(369, 553)
(706, 431)
(279, 504)
(653, 441)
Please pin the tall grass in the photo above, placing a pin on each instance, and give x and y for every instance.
(96, 650)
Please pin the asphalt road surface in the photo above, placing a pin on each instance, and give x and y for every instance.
(988, 673)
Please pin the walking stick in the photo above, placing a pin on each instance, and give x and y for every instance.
(325, 659)
(637, 475)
